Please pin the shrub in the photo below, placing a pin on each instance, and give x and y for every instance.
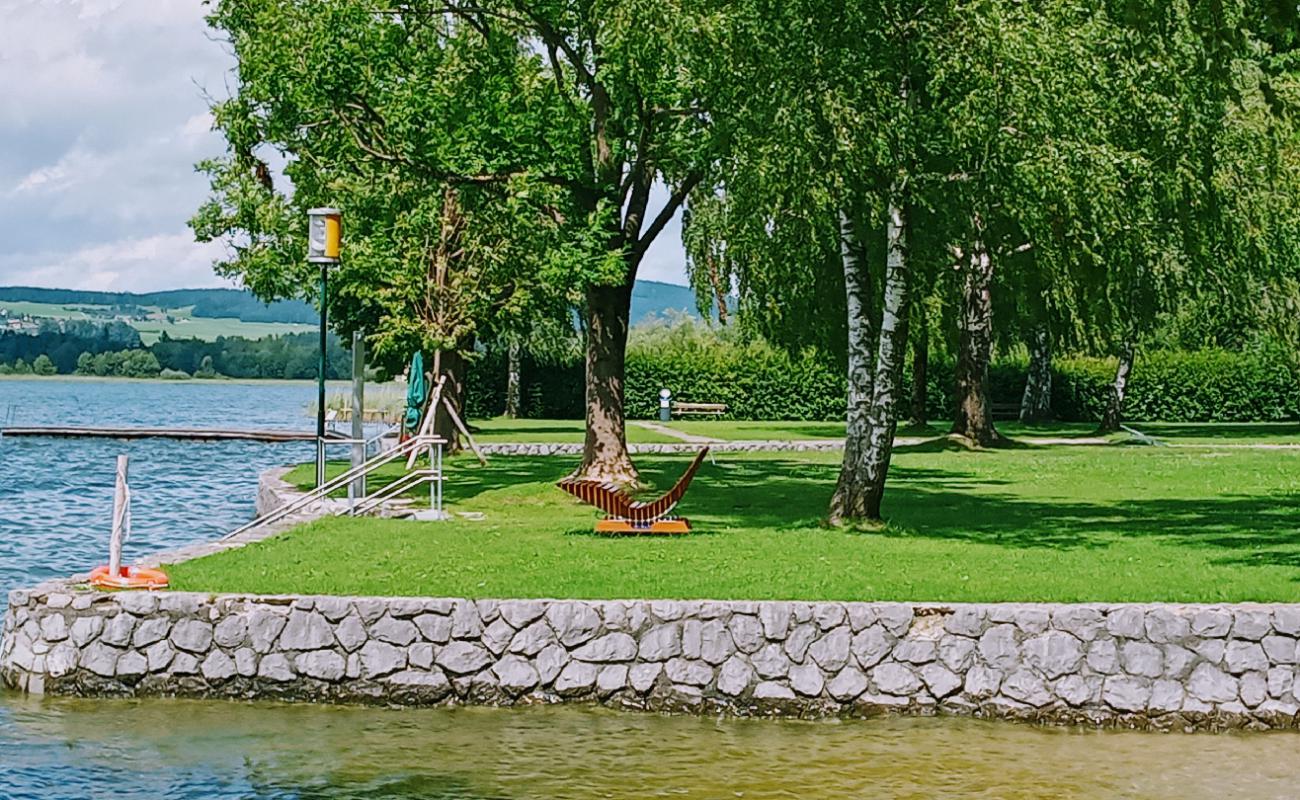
(757, 381)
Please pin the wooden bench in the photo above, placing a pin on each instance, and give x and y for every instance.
(711, 409)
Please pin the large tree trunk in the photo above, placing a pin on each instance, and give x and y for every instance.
(864, 480)
(454, 369)
(920, 336)
(974, 419)
(1036, 403)
(1114, 414)
(849, 500)
(605, 456)
(512, 380)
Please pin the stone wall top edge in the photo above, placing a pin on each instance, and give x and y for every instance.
(22, 595)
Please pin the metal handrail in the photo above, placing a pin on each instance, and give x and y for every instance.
(376, 498)
(322, 492)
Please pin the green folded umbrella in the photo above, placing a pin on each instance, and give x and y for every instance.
(416, 391)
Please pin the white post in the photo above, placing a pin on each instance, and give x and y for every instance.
(121, 519)
(357, 489)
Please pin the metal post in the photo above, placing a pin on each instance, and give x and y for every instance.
(320, 379)
(665, 405)
(357, 489)
(121, 518)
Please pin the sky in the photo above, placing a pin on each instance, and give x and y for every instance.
(103, 114)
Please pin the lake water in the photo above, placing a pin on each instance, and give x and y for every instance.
(55, 500)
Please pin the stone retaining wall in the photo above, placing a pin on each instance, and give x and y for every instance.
(1158, 666)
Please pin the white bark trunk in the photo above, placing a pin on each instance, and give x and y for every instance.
(1115, 407)
(848, 500)
(512, 380)
(889, 359)
(1036, 404)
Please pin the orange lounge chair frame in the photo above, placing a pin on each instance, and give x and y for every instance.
(626, 515)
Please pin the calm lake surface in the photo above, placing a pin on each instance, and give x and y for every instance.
(55, 500)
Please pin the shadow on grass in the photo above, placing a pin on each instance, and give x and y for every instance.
(1227, 430)
(785, 494)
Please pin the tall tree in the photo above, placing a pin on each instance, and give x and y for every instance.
(563, 115)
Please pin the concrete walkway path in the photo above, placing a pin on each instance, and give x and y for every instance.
(676, 434)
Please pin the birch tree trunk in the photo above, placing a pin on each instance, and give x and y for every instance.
(849, 500)
(889, 360)
(605, 456)
(973, 419)
(512, 380)
(920, 336)
(1114, 415)
(1036, 403)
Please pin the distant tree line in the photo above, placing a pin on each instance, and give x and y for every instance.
(115, 349)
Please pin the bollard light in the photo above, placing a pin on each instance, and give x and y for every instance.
(665, 405)
(324, 235)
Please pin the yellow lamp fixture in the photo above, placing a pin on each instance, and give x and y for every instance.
(324, 235)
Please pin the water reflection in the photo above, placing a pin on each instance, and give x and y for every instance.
(187, 749)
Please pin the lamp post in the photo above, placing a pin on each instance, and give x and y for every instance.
(324, 241)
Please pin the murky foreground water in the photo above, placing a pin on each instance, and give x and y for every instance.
(182, 749)
(55, 499)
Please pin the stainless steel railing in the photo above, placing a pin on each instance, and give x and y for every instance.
(433, 475)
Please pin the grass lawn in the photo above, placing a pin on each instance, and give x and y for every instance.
(501, 429)
(1107, 523)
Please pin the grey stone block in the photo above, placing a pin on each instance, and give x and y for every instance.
(458, 658)
(1053, 653)
(516, 674)
(831, 651)
(1126, 693)
(218, 667)
(1026, 686)
(894, 678)
(191, 635)
(610, 647)
(999, 647)
(386, 629)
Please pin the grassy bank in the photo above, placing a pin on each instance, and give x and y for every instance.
(1107, 523)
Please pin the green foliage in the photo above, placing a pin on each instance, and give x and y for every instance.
(43, 365)
(760, 382)
(120, 364)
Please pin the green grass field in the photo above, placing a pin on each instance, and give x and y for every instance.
(1100, 523)
(184, 326)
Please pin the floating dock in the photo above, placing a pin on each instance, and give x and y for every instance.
(185, 434)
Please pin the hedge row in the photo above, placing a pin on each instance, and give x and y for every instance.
(758, 383)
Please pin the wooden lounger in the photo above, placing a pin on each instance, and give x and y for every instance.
(626, 515)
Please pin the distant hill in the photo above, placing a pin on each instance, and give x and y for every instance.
(237, 304)
(650, 300)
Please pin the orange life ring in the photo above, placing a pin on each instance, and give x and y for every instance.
(129, 578)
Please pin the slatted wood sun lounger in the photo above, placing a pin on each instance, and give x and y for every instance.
(626, 515)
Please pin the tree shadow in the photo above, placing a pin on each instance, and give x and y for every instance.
(1227, 430)
(787, 494)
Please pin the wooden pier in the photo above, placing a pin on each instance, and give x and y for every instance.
(184, 434)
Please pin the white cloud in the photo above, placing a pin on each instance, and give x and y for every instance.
(101, 120)
(162, 261)
(102, 117)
